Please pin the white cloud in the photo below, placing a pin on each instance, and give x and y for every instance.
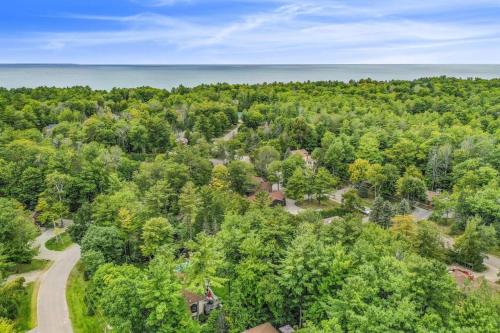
(294, 31)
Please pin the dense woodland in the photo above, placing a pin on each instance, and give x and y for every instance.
(155, 217)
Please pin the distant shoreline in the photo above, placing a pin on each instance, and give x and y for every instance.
(106, 77)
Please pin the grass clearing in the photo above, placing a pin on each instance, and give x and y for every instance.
(313, 204)
(34, 265)
(59, 243)
(75, 293)
(26, 319)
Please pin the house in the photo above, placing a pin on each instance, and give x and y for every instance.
(199, 304)
(263, 328)
(268, 328)
(261, 185)
(305, 156)
(277, 198)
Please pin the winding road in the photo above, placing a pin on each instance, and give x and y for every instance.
(52, 309)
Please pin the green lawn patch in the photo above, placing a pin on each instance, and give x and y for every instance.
(26, 319)
(313, 204)
(75, 293)
(34, 265)
(59, 243)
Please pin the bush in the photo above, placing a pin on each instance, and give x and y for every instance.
(331, 212)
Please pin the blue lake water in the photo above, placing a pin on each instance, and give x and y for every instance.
(169, 76)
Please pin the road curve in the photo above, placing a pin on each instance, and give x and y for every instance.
(52, 309)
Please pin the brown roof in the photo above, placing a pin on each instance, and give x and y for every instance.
(277, 195)
(263, 328)
(192, 297)
(262, 185)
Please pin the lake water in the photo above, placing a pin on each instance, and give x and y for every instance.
(169, 76)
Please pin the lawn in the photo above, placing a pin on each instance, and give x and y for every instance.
(75, 293)
(34, 265)
(26, 319)
(313, 204)
(59, 243)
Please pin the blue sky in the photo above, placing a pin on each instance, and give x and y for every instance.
(249, 31)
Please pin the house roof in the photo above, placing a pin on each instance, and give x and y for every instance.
(262, 185)
(277, 195)
(192, 297)
(263, 328)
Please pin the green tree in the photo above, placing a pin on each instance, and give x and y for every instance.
(16, 231)
(263, 157)
(351, 201)
(163, 307)
(472, 245)
(411, 188)
(296, 186)
(107, 240)
(240, 176)
(381, 212)
(220, 178)
(189, 203)
(156, 232)
(324, 183)
(428, 241)
(290, 164)
(358, 171)
(275, 172)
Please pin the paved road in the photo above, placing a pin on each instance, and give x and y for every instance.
(52, 310)
(291, 207)
(420, 214)
(337, 195)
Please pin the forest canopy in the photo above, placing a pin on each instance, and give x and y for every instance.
(160, 200)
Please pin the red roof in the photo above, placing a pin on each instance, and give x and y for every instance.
(278, 195)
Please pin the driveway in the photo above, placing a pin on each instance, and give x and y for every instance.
(291, 207)
(420, 214)
(337, 195)
(52, 309)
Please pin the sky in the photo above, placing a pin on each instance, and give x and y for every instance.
(250, 31)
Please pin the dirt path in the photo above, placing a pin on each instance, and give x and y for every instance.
(229, 135)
